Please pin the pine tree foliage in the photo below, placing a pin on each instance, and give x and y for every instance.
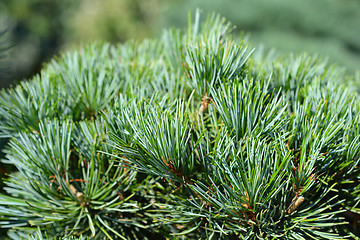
(193, 136)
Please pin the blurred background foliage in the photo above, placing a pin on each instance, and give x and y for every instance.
(40, 29)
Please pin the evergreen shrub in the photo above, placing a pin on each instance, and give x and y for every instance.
(193, 136)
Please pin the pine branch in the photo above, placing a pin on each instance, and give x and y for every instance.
(186, 136)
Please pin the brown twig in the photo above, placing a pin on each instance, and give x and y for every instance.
(295, 203)
(205, 101)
